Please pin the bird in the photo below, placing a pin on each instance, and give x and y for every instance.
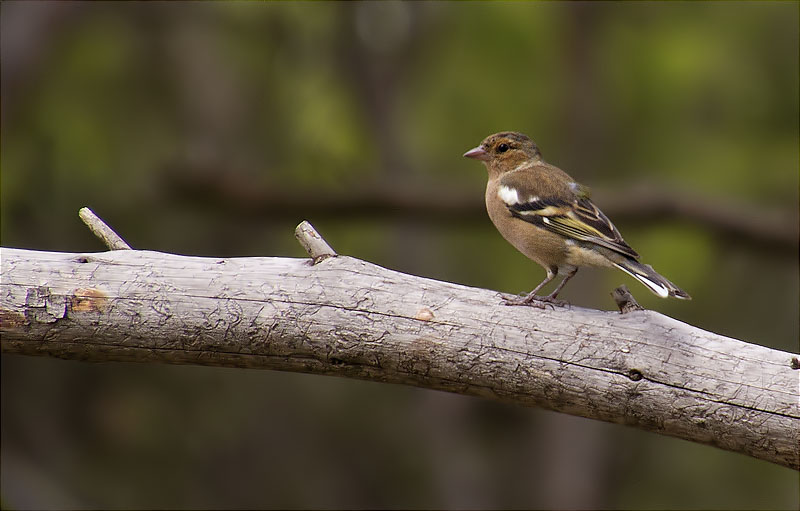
(549, 217)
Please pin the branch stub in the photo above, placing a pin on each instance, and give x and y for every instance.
(99, 228)
(314, 244)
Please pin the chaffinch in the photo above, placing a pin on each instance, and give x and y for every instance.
(548, 217)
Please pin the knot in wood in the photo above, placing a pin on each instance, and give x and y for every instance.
(635, 374)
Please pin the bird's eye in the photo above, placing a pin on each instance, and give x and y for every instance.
(502, 148)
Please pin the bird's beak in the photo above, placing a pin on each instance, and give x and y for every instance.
(478, 153)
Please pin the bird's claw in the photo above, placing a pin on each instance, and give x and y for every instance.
(540, 302)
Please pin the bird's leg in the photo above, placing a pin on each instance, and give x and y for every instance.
(551, 298)
(531, 297)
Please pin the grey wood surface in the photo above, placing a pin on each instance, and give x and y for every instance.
(346, 317)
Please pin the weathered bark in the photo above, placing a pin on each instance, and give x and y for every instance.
(347, 317)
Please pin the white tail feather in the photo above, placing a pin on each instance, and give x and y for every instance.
(656, 287)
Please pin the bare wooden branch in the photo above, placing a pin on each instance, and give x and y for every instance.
(350, 318)
(111, 239)
(317, 248)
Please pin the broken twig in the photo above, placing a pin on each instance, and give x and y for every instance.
(111, 239)
(316, 246)
(625, 300)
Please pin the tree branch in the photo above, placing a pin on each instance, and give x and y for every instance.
(346, 317)
(775, 228)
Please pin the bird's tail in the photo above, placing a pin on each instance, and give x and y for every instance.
(645, 274)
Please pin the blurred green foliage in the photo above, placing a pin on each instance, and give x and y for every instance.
(123, 106)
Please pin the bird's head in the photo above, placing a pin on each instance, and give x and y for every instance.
(503, 152)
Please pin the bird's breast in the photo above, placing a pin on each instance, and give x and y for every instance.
(542, 246)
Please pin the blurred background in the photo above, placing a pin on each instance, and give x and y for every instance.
(215, 128)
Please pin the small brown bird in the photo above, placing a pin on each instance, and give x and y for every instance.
(548, 217)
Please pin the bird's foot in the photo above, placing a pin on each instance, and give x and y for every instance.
(540, 302)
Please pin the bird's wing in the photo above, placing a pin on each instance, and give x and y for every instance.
(563, 209)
